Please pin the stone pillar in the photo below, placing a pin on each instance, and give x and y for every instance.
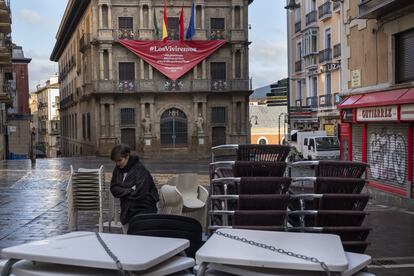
(233, 63)
(111, 120)
(103, 132)
(141, 68)
(101, 65)
(142, 110)
(100, 16)
(241, 17)
(110, 16)
(202, 17)
(111, 73)
(232, 17)
(152, 116)
(141, 16)
(234, 117)
(204, 69)
(243, 117)
(195, 72)
(242, 53)
(150, 72)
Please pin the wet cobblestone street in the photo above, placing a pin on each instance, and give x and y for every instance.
(33, 207)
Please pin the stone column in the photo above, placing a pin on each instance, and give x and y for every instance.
(111, 120)
(243, 117)
(241, 17)
(141, 16)
(100, 16)
(233, 63)
(141, 69)
(234, 117)
(232, 17)
(111, 73)
(101, 65)
(202, 17)
(142, 110)
(204, 69)
(110, 16)
(150, 72)
(103, 132)
(242, 53)
(195, 72)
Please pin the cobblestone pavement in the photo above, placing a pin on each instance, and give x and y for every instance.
(33, 207)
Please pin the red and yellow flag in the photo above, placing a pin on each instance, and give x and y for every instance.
(164, 24)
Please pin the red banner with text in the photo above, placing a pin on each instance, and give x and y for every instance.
(173, 58)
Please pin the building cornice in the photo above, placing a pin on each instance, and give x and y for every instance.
(70, 22)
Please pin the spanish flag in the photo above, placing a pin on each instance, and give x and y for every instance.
(164, 24)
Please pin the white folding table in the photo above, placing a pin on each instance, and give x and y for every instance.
(82, 249)
(233, 256)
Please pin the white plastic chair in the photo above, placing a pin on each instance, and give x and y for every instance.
(171, 200)
(85, 193)
(194, 196)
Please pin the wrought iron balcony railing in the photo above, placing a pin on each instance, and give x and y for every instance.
(298, 26)
(312, 102)
(298, 66)
(311, 17)
(325, 100)
(325, 55)
(324, 10)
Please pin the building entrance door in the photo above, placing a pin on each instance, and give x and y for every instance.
(173, 127)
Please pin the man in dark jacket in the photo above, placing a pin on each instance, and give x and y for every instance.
(133, 184)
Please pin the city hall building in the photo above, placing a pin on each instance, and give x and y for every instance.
(120, 83)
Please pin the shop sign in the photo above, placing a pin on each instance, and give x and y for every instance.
(355, 78)
(324, 69)
(379, 113)
(347, 116)
(407, 112)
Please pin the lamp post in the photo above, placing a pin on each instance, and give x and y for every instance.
(284, 124)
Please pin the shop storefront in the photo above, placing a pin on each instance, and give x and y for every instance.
(377, 128)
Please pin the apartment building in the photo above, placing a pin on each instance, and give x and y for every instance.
(378, 113)
(18, 115)
(314, 49)
(48, 125)
(111, 94)
(6, 75)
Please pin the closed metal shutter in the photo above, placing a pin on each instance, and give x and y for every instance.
(357, 142)
(387, 153)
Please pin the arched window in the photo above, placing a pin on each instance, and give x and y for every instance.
(262, 141)
(173, 128)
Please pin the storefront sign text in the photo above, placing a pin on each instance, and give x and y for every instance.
(380, 113)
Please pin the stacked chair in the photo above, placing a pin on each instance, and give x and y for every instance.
(333, 203)
(248, 188)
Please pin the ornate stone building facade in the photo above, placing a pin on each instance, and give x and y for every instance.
(109, 95)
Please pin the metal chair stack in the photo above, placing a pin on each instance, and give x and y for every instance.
(247, 187)
(333, 203)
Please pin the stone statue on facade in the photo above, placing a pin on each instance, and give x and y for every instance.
(146, 124)
(199, 124)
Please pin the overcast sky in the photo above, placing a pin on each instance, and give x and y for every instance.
(35, 23)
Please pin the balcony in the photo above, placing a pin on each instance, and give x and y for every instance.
(66, 101)
(125, 34)
(312, 102)
(137, 86)
(337, 50)
(325, 100)
(311, 60)
(298, 66)
(217, 34)
(200, 34)
(325, 55)
(325, 10)
(298, 26)
(337, 98)
(145, 34)
(377, 9)
(311, 17)
(238, 35)
(298, 103)
(84, 42)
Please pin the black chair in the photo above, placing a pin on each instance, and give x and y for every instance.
(170, 226)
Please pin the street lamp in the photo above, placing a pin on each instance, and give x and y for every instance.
(284, 124)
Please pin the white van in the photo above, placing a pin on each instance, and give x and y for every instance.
(316, 145)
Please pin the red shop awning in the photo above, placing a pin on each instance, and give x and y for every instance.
(382, 98)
